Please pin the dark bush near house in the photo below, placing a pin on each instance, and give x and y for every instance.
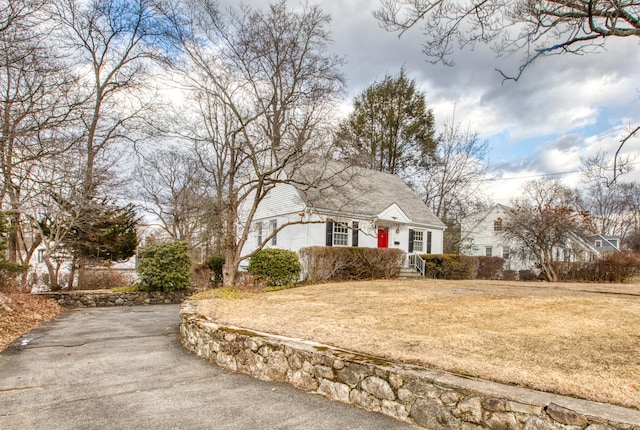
(165, 267)
(616, 267)
(202, 277)
(325, 263)
(490, 268)
(275, 266)
(215, 264)
(509, 275)
(527, 275)
(449, 266)
(103, 278)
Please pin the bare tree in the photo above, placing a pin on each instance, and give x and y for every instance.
(532, 28)
(536, 28)
(21, 14)
(175, 189)
(451, 183)
(610, 202)
(544, 221)
(51, 210)
(264, 81)
(37, 107)
(112, 42)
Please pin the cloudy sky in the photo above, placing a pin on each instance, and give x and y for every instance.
(564, 108)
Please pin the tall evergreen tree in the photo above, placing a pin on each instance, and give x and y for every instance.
(391, 129)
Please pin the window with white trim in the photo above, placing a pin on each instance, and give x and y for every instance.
(273, 224)
(418, 241)
(598, 243)
(506, 252)
(258, 228)
(497, 225)
(488, 251)
(340, 234)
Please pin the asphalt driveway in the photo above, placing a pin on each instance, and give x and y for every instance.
(124, 368)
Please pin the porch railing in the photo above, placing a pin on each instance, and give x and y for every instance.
(416, 261)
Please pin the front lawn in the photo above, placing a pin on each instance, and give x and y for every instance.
(581, 340)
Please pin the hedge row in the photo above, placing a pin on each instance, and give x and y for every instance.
(449, 266)
(617, 267)
(341, 264)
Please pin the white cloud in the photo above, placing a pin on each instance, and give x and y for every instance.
(563, 108)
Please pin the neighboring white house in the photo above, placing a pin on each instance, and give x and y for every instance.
(481, 237)
(352, 207)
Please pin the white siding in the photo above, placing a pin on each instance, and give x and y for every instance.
(283, 199)
(393, 213)
(480, 234)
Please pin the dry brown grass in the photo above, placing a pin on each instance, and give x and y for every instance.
(23, 312)
(581, 340)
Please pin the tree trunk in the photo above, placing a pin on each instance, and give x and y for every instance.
(53, 274)
(72, 272)
(230, 248)
(229, 269)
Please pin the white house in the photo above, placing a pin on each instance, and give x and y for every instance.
(352, 207)
(481, 237)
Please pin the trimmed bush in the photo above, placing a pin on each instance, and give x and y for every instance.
(490, 268)
(165, 267)
(325, 263)
(449, 266)
(275, 266)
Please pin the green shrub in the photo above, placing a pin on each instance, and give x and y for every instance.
(216, 263)
(275, 266)
(324, 263)
(449, 266)
(165, 267)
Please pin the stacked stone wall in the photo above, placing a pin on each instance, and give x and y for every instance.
(430, 399)
(106, 298)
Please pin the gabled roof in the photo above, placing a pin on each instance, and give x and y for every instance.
(339, 189)
(471, 223)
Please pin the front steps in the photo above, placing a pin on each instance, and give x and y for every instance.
(410, 273)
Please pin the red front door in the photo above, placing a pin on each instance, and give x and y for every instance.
(383, 238)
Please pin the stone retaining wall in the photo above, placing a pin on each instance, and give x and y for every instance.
(104, 298)
(430, 399)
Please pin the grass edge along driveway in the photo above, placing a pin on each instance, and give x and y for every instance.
(580, 340)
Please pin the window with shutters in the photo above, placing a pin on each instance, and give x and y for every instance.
(340, 234)
(355, 226)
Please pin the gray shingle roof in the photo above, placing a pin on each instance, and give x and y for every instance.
(334, 187)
